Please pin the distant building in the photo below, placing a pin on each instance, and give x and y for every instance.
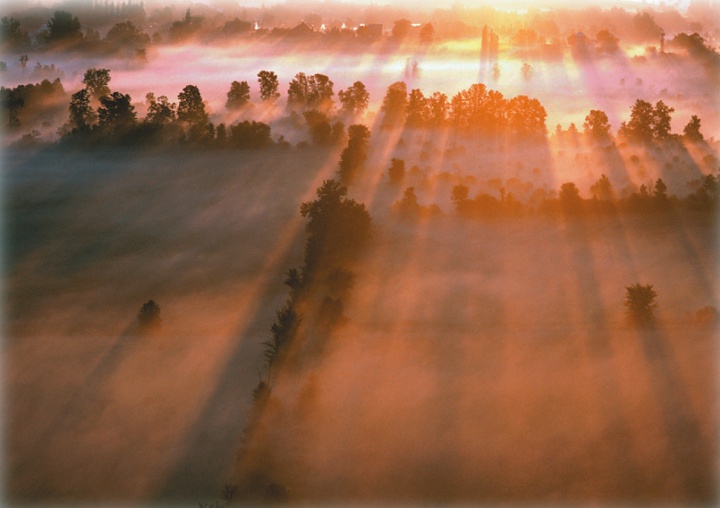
(301, 30)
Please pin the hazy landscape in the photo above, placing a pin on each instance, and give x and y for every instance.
(317, 253)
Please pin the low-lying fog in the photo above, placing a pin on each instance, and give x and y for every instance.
(568, 89)
(482, 361)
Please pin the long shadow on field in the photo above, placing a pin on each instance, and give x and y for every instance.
(78, 408)
(692, 456)
(624, 473)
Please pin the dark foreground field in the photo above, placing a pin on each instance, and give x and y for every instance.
(482, 361)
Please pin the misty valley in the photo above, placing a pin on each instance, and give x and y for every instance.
(318, 253)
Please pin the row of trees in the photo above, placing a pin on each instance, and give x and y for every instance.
(570, 202)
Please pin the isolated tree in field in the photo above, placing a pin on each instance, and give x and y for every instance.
(640, 303)
(82, 115)
(238, 95)
(396, 172)
(692, 129)
(268, 81)
(149, 316)
(63, 27)
(96, 81)
(354, 99)
(596, 125)
(394, 105)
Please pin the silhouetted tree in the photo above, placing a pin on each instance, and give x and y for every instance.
(526, 117)
(647, 122)
(602, 190)
(640, 303)
(355, 154)
(427, 33)
(11, 34)
(354, 99)
(96, 81)
(23, 61)
(570, 200)
(116, 114)
(191, 109)
(283, 330)
(63, 27)
(396, 172)
(478, 109)
(394, 105)
(416, 111)
(437, 110)
(250, 134)
(149, 316)
(82, 115)
(705, 197)
(606, 42)
(692, 129)
(160, 111)
(238, 95)
(126, 34)
(310, 92)
(596, 125)
(401, 29)
(268, 81)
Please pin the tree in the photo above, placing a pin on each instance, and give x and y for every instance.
(437, 110)
(149, 316)
(96, 81)
(11, 34)
(354, 99)
(338, 228)
(126, 34)
(394, 105)
(117, 114)
(238, 95)
(82, 115)
(647, 122)
(692, 129)
(570, 200)
(283, 330)
(527, 71)
(661, 120)
(355, 154)
(396, 171)
(191, 109)
(606, 42)
(268, 81)
(416, 111)
(23, 61)
(596, 125)
(427, 33)
(63, 27)
(526, 117)
(640, 303)
(160, 111)
(602, 190)
(250, 134)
